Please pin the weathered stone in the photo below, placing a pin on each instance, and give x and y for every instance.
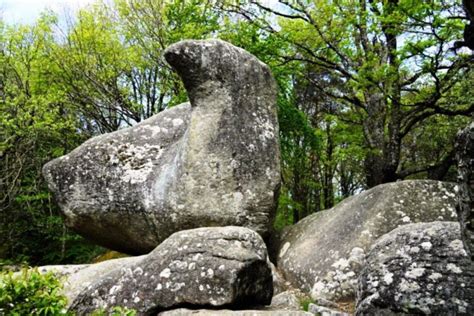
(226, 312)
(76, 278)
(215, 266)
(279, 283)
(465, 208)
(287, 300)
(324, 311)
(323, 253)
(418, 269)
(214, 162)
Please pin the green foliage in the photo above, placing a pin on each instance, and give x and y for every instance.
(116, 311)
(304, 303)
(31, 293)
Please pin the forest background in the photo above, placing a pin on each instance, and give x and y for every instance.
(370, 91)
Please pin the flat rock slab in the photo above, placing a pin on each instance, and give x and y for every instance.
(324, 253)
(418, 269)
(212, 162)
(215, 266)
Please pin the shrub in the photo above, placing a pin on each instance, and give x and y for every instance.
(29, 292)
(116, 311)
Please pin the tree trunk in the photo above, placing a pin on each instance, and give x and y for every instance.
(328, 190)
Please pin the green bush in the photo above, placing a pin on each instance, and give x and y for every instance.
(116, 311)
(29, 292)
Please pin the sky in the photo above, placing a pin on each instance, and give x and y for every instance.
(27, 11)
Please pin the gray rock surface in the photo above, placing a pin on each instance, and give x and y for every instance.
(214, 266)
(226, 312)
(324, 311)
(287, 300)
(418, 269)
(279, 283)
(324, 253)
(213, 162)
(465, 159)
(76, 278)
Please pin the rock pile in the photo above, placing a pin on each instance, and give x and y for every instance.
(194, 189)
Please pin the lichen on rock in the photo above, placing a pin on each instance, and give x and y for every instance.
(402, 276)
(218, 266)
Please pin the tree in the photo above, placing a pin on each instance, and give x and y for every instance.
(111, 62)
(393, 58)
(36, 125)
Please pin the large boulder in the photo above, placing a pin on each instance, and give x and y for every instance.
(465, 158)
(215, 266)
(213, 162)
(418, 269)
(323, 254)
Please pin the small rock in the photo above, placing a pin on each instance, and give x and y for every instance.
(324, 311)
(285, 301)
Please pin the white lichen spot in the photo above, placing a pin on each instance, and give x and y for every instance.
(458, 246)
(388, 278)
(165, 273)
(453, 268)
(426, 245)
(210, 273)
(408, 287)
(158, 287)
(415, 273)
(136, 299)
(114, 289)
(435, 276)
(138, 271)
(406, 219)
